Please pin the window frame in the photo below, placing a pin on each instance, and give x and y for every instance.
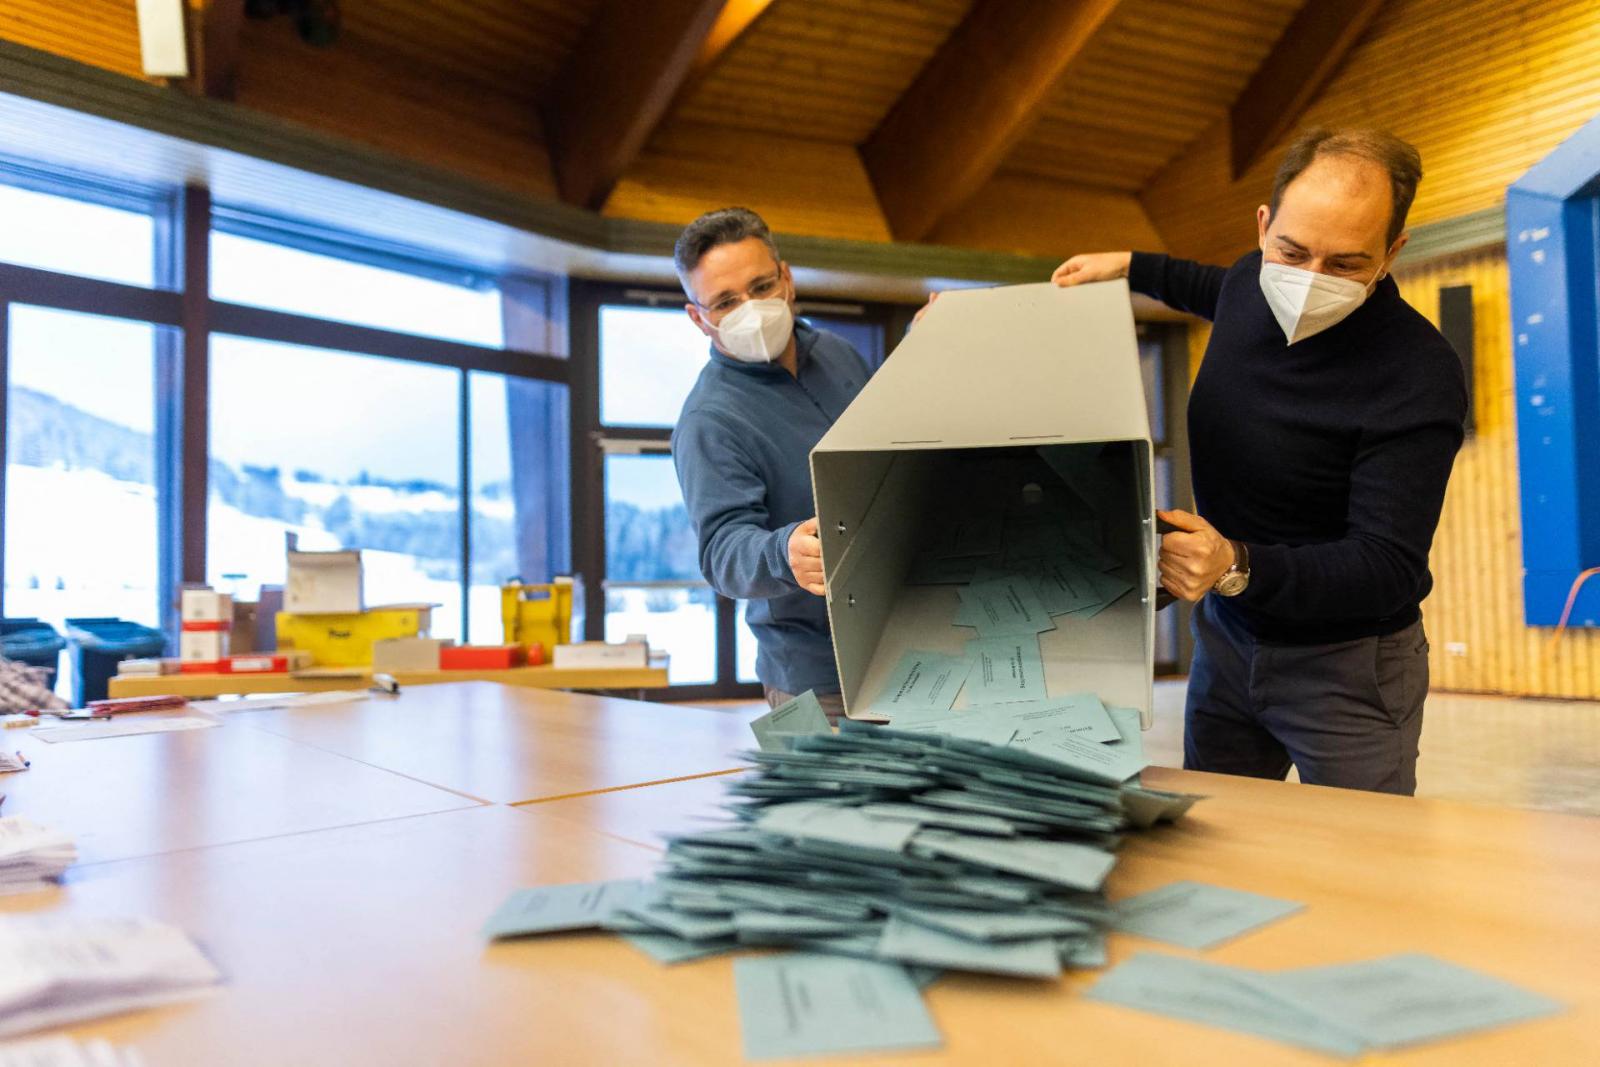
(1172, 444)
(181, 299)
(591, 440)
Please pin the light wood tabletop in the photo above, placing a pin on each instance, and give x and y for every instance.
(545, 677)
(360, 945)
(646, 815)
(506, 745)
(1508, 892)
(162, 792)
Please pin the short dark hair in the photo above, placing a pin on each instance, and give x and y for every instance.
(1402, 162)
(724, 226)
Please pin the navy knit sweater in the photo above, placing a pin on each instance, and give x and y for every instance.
(1328, 458)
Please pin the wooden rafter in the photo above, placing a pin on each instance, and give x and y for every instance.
(1292, 75)
(214, 27)
(615, 88)
(949, 132)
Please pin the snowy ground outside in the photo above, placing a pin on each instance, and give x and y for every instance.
(81, 543)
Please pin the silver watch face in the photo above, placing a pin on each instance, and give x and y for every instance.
(1232, 583)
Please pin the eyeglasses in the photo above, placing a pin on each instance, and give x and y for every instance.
(763, 288)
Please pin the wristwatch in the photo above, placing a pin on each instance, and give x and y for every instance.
(1237, 577)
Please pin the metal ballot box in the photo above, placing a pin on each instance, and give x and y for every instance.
(1008, 429)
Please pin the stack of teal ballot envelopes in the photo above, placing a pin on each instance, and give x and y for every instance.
(950, 846)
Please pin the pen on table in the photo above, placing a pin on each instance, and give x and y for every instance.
(25, 761)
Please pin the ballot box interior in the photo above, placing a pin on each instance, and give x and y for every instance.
(1006, 435)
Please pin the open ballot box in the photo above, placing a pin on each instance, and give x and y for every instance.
(996, 469)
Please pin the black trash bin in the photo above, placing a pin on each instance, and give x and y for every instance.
(32, 642)
(98, 645)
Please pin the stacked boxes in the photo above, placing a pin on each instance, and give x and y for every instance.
(206, 617)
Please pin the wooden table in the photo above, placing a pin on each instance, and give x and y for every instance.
(1512, 893)
(158, 793)
(506, 745)
(547, 677)
(359, 945)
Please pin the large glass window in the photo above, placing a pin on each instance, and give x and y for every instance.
(745, 647)
(653, 582)
(81, 521)
(72, 236)
(649, 356)
(345, 451)
(866, 335)
(450, 481)
(245, 270)
(521, 500)
(649, 360)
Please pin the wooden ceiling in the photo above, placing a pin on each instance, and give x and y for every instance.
(822, 70)
(511, 47)
(876, 119)
(1157, 75)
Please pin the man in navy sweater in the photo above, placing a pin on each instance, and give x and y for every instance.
(1322, 428)
(742, 445)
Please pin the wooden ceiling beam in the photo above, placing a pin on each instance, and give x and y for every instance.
(214, 27)
(735, 20)
(948, 133)
(1294, 72)
(616, 86)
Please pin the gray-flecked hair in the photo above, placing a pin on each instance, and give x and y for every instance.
(724, 226)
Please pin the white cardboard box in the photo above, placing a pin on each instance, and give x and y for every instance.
(206, 605)
(323, 583)
(202, 646)
(591, 654)
(1005, 377)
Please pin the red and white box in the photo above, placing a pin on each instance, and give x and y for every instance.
(265, 663)
(202, 646)
(206, 609)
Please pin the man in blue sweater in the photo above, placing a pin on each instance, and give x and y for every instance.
(742, 445)
(1322, 428)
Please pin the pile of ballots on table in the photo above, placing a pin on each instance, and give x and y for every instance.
(899, 853)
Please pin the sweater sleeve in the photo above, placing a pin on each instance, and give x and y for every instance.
(1181, 284)
(1397, 490)
(726, 500)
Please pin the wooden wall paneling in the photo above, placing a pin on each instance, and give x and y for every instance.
(1477, 557)
(797, 186)
(512, 47)
(1483, 88)
(356, 90)
(1032, 216)
(104, 33)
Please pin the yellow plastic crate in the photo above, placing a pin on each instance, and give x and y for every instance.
(346, 640)
(537, 614)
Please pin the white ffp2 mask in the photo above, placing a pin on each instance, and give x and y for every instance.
(1305, 302)
(757, 331)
